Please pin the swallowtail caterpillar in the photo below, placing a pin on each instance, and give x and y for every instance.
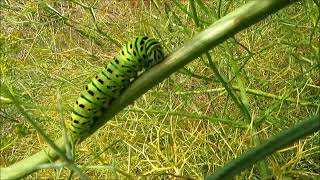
(138, 54)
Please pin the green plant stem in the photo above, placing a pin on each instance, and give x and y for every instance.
(262, 165)
(5, 100)
(194, 116)
(242, 105)
(226, 27)
(283, 139)
(228, 87)
(250, 91)
(57, 150)
(31, 164)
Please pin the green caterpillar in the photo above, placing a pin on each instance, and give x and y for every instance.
(138, 54)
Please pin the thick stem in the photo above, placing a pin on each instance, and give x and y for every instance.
(277, 142)
(31, 164)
